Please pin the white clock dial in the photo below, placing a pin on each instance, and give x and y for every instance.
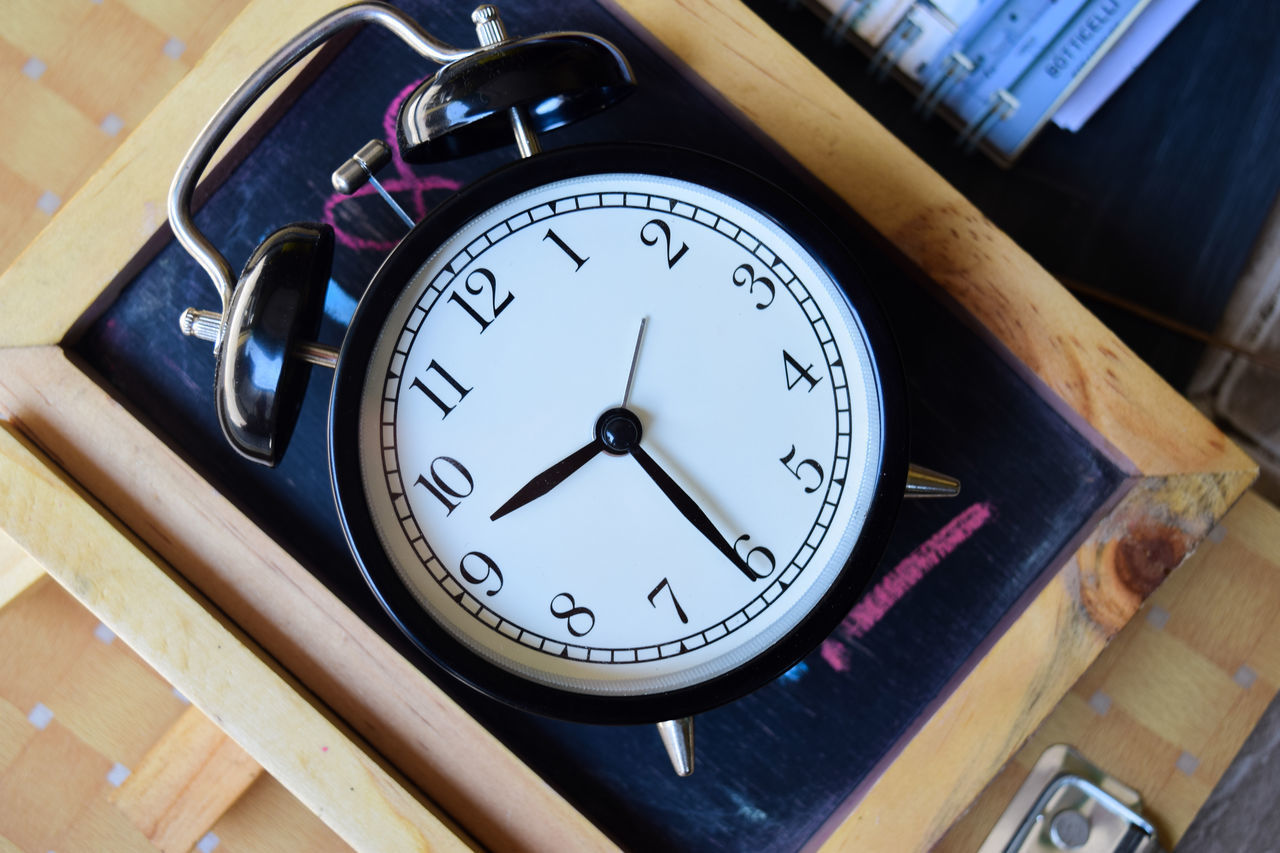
(757, 401)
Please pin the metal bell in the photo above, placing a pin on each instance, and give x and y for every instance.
(276, 305)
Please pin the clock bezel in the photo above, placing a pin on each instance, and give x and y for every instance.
(399, 602)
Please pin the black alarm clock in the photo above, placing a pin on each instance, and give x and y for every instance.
(616, 434)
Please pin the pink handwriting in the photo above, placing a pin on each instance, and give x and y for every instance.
(900, 579)
(405, 182)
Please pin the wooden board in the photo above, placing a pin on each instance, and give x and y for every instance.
(1119, 404)
(185, 782)
(1169, 703)
(109, 572)
(1194, 608)
(98, 752)
(76, 78)
(1032, 481)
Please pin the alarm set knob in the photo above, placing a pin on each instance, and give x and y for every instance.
(362, 168)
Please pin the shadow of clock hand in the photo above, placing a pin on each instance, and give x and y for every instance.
(689, 509)
(550, 478)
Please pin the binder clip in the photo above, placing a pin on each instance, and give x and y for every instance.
(1067, 803)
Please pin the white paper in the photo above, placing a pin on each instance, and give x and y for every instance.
(1142, 37)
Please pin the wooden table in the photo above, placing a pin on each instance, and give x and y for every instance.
(117, 518)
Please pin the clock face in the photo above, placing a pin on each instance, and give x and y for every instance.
(617, 436)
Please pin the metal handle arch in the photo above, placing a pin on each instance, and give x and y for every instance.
(233, 109)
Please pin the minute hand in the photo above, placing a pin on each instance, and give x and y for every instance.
(689, 509)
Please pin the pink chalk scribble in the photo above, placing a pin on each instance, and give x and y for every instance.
(405, 182)
(900, 580)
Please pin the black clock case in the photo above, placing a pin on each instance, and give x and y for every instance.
(448, 653)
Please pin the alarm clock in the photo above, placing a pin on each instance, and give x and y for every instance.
(616, 434)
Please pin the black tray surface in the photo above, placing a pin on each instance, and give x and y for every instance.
(772, 768)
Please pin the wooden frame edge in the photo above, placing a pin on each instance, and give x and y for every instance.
(95, 235)
(61, 275)
(736, 54)
(112, 575)
(251, 579)
(18, 571)
(47, 290)
(397, 709)
(1064, 628)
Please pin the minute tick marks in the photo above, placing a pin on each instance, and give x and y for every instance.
(701, 417)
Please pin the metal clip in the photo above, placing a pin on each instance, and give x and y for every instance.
(1067, 803)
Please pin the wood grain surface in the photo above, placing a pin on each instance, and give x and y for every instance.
(17, 570)
(1183, 686)
(159, 497)
(56, 279)
(1090, 370)
(973, 417)
(1018, 302)
(1188, 474)
(82, 718)
(75, 79)
(1168, 704)
(269, 716)
(185, 782)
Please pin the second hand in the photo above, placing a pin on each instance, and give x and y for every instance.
(635, 360)
(553, 476)
(622, 436)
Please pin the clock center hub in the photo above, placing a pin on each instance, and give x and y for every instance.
(619, 431)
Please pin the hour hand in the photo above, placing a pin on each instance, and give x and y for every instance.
(550, 478)
(689, 509)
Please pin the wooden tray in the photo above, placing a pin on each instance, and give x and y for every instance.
(1182, 476)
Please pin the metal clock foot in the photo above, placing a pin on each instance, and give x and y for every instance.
(677, 737)
(924, 483)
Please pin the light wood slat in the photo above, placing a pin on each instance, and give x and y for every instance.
(269, 595)
(65, 269)
(45, 138)
(103, 699)
(104, 568)
(260, 586)
(17, 570)
(72, 682)
(185, 782)
(102, 67)
(40, 806)
(1018, 681)
(1181, 683)
(267, 819)
(1199, 474)
(96, 698)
